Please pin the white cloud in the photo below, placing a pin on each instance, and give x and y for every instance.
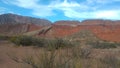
(101, 14)
(43, 12)
(71, 9)
(23, 3)
(5, 10)
(2, 9)
(101, 1)
(81, 10)
(109, 14)
(97, 14)
(37, 9)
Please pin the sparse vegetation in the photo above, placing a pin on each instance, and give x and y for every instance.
(73, 58)
(103, 45)
(55, 43)
(22, 40)
(110, 61)
(65, 53)
(82, 52)
(78, 45)
(3, 37)
(58, 43)
(47, 59)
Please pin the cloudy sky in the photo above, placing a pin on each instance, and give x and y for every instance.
(63, 9)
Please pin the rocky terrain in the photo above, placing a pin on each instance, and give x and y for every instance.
(27, 42)
(16, 19)
(11, 24)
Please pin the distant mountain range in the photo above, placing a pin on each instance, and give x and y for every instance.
(12, 24)
(16, 19)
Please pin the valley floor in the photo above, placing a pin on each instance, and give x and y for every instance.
(8, 51)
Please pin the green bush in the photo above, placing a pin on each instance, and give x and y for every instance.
(103, 45)
(39, 42)
(81, 52)
(58, 43)
(15, 40)
(110, 61)
(22, 40)
(2, 37)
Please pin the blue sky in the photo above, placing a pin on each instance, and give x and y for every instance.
(54, 10)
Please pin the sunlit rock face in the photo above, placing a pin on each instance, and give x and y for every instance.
(11, 24)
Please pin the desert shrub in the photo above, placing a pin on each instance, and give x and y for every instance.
(39, 42)
(46, 59)
(3, 37)
(27, 41)
(117, 43)
(103, 45)
(22, 40)
(15, 40)
(81, 52)
(106, 45)
(58, 43)
(110, 61)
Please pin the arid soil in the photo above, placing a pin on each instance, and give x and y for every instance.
(9, 50)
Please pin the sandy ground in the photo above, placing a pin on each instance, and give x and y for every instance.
(7, 48)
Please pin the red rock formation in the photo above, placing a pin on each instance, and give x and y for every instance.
(33, 27)
(108, 32)
(11, 24)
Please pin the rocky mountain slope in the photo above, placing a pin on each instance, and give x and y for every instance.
(15, 19)
(100, 22)
(11, 24)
